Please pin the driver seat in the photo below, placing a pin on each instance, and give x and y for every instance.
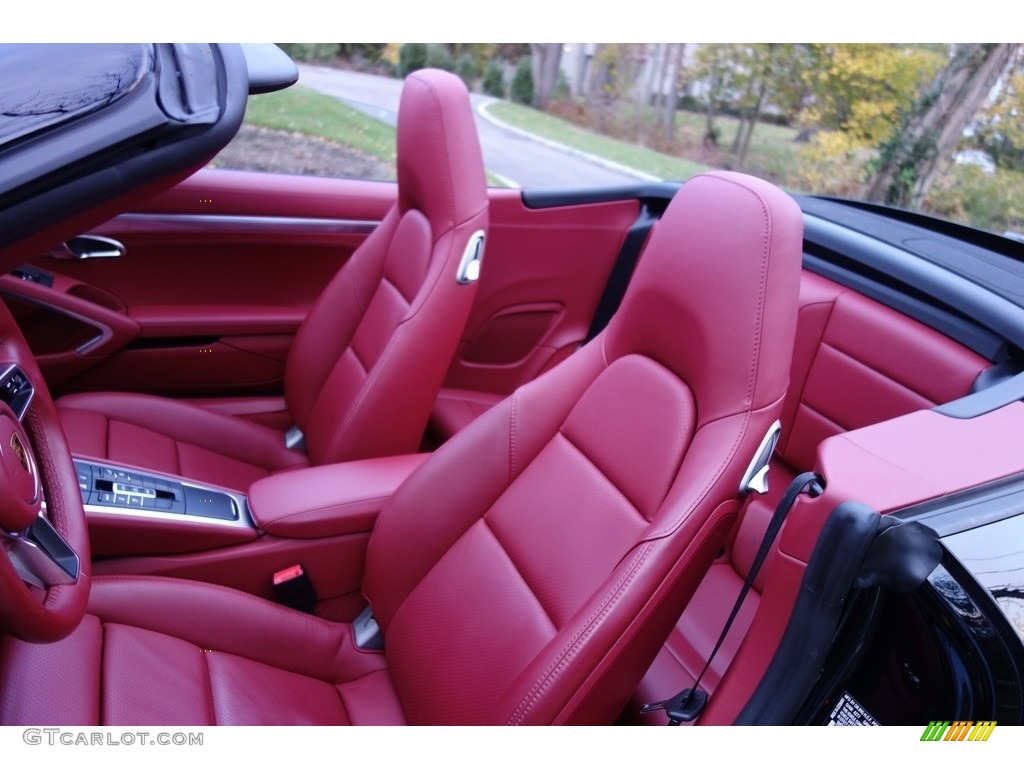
(369, 359)
(529, 571)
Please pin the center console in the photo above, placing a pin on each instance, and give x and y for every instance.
(108, 488)
(132, 512)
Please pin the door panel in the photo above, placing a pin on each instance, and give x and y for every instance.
(543, 274)
(69, 326)
(217, 276)
(220, 270)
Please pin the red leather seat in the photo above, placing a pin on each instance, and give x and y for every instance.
(837, 383)
(370, 357)
(526, 573)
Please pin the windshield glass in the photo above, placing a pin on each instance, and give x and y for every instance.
(78, 78)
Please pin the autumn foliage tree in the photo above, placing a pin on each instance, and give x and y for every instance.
(855, 95)
(770, 76)
(912, 156)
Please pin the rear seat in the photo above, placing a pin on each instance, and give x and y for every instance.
(855, 363)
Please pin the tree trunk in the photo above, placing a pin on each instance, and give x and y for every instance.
(913, 158)
(755, 117)
(710, 131)
(747, 119)
(670, 91)
(583, 60)
(545, 59)
(596, 74)
(745, 116)
(647, 66)
(660, 95)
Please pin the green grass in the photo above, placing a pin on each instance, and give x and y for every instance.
(550, 127)
(772, 152)
(314, 114)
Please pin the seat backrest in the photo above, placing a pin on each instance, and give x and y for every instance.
(530, 570)
(856, 362)
(370, 357)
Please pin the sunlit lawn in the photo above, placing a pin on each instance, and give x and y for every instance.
(629, 154)
(315, 114)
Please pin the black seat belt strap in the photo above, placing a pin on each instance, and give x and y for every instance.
(622, 269)
(689, 703)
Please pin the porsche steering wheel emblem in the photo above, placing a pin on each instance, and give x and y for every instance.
(19, 451)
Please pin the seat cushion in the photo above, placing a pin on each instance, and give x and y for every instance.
(166, 652)
(175, 438)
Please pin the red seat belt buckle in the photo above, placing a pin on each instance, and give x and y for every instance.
(294, 588)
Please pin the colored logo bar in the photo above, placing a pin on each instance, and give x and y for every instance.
(960, 730)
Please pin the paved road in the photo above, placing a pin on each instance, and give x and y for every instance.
(514, 157)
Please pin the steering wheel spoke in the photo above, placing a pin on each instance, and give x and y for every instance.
(16, 390)
(41, 556)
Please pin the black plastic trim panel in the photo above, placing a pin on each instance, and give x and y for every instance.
(969, 509)
(173, 342)
(986, 400)
(560, 198)
(960, 232)
(993, 319)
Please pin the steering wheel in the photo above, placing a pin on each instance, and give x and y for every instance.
(44, 556)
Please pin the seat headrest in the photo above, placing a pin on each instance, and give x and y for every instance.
(714, 297)
(440, 165)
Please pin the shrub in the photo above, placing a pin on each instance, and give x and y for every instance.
(522, 82)
(830, 165)
(991, 201)
(413, 56)
(371, 53)
(494, 80)
(376, 58)
(466, 68)
(440, 57)
(562, 89)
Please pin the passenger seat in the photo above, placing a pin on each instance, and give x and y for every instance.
(369, 359)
